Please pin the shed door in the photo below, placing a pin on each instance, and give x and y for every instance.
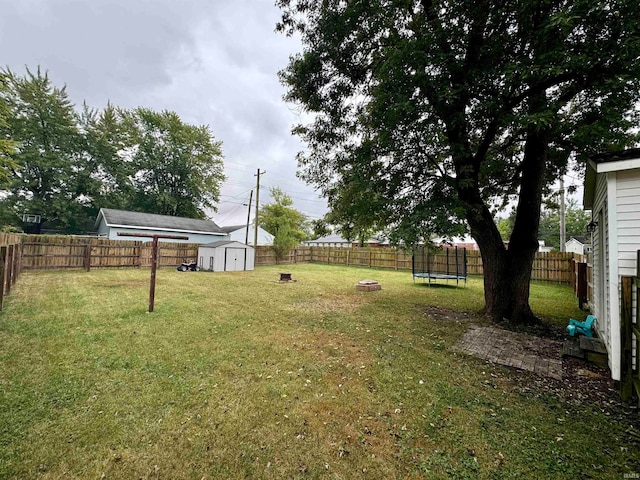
(234, 259)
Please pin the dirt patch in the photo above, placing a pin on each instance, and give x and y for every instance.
(440, 314)
(542, 329)
(583, 385)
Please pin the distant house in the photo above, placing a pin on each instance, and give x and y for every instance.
(461, 242)
(238, 233)
(579, 244)
(338, 241)
(542, 248)
(612, 193)
(110, 222)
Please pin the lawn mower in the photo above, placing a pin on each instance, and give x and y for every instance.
(190, 266)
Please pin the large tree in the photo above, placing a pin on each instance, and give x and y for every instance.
(179, 166)
(427, 114)
(65, 166)
(109, 148)
(44, 123)
(7, 145)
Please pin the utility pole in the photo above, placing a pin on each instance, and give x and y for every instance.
(562, 216)
(255, 235)
(246, 234)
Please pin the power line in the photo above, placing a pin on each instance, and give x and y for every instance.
(230, 214)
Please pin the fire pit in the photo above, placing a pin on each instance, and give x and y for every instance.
(286, 277)
(368, 286)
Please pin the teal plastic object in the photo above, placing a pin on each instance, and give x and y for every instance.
(581, 328)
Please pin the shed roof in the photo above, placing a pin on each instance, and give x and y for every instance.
(607, 162)
(584, 240)
(152, 221)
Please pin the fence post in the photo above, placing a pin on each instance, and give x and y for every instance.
(3, 273)
(139, 242)
(87, 257)
(626, 326)
(21, 255)
(581, 284)
(9, 269)
(16, 263)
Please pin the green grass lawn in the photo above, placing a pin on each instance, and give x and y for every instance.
(238, 376)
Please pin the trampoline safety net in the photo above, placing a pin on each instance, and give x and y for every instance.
(450, 264)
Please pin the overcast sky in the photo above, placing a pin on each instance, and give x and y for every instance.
(214, 62)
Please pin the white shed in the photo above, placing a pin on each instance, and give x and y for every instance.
(226, 256)
(612, 193)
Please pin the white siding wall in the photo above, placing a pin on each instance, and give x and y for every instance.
(628, 202)
(628, 206)
(226, 258)
(616, 208)
(600, 216)
(193, 237)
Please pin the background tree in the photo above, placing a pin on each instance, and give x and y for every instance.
(7, 146)
(426, 113)
(505, 225)
(65, 166)
(576, 220)
(320, 228)
(179, 166)
(287, 225)
(43, 122)
(109, 148)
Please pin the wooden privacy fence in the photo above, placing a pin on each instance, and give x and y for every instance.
(10, 263)
(630, 335)
(63, 252)
(41, 252)
(266, 256)
(547, 267)
(553, 267)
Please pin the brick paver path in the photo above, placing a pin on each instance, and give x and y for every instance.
(513, 350)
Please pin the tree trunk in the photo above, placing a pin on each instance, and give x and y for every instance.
(507, 274)
(507, 271)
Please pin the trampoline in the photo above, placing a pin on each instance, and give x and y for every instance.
(451, 264)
